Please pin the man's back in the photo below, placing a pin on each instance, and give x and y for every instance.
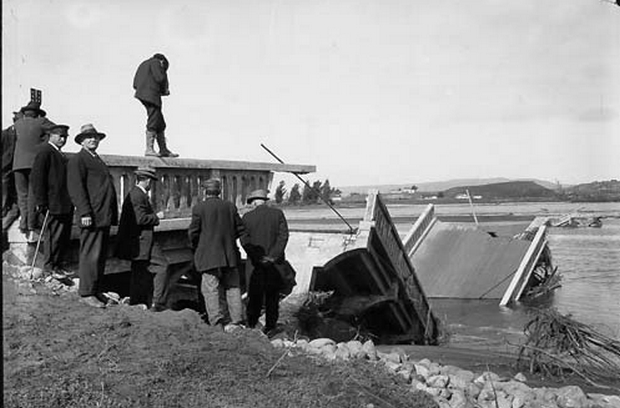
(30, 135)
(213, 231)
(267, 228)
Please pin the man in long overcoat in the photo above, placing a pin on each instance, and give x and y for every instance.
(151, 83)
(266, 239)
(213, 231)
(92, 191)
(30, 131)
(10, 211)
(51, 197)
(136, 242)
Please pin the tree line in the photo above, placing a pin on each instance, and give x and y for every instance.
(311, 193)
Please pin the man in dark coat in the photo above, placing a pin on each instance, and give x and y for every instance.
(30, 131)
(213, 231)
(10, 211)
(151, 83)
(51, 199)
(136, 242)
(266, 239)
(92, 191)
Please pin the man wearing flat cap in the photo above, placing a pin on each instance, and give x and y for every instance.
(151, 83)
(51, 199)
(213, 231)
(30, 132)
(136, 242)
(266, 239)
(92, 191)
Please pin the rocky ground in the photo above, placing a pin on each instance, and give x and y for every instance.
(59, 352)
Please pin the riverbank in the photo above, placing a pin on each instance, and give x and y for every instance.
(59, 352)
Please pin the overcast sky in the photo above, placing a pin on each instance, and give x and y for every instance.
(371, 92)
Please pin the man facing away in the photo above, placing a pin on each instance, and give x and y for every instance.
(266, 239)
(136, 242)
(151, 83)
(30, 131)
(51, 199)
(92, 191)
(10, 211)
(213, 231)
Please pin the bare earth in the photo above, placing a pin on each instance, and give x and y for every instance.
(59, 352)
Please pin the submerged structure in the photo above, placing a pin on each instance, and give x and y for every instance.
(374, 283)
(461, 261)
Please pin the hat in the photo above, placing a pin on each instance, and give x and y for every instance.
(57, 129)
(33, 106)
(213, 185)
(146, 172)
(86, 131)
(257, 195)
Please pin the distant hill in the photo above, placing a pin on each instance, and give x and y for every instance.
(439, 185)
(506, 190)
(595, 191)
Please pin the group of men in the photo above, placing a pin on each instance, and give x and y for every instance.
(51, 189)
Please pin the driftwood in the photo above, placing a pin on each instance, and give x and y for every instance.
(557, 344)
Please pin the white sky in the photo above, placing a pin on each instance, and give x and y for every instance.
(372, 92)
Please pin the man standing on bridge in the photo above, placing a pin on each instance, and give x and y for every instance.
(151, 83)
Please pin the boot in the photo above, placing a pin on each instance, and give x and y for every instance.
(150, 139)
(163, 149)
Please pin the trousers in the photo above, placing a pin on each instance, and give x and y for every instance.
(220, 288)
(93, 253)
(57, 237)
(149, 282)
(28, 221)
(264, 287)
(154, 117)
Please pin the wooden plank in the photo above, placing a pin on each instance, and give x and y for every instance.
(528, 261)
(420, 229)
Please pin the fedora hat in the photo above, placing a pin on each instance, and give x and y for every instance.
(213, 185)
(259, 194)
(88, 130)
(57, 129)
(146, 172)
(33, 106)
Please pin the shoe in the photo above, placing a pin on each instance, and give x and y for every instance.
(59, 273)
(163, 148)
(150, 139)
(93, 301)
(231, 327)
(158, 308)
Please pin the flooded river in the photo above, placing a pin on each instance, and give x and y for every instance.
(587, 258)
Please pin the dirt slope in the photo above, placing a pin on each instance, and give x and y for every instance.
(61, 353)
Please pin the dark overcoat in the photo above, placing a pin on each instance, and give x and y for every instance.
(151, 81)
(9, 135)
(30, 135)
(213, 232)
(135, 230)
(266, 235)
(49, 180)
(91, 189)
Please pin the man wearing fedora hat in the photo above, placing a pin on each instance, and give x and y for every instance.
(213, 231)
(265, 241)
(151, 83)
(92, 191)
(136, 242)
(50, 196)
(30, 132)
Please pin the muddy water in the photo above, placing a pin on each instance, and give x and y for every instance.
(589, 262)
(587, 258)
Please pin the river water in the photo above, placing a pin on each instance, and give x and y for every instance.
(588, 260)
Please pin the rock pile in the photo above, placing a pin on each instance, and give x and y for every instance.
(450, 386)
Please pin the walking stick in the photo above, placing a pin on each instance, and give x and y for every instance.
(34, 258)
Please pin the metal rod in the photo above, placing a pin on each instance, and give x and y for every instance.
(473, 210)
(351, 229)
(36, 251)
